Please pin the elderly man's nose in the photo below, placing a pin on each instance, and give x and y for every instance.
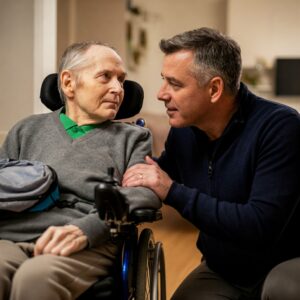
(117, 86)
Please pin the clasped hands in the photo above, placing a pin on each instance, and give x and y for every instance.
(150, 175)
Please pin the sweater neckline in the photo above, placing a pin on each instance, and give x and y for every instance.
(61, 130)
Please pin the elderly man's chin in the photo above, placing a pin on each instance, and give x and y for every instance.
(111, 114)
(104, 116)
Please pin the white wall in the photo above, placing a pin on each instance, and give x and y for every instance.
(16, 64)
(99, 20)
(45, 37)
(27, 33)
(265, 28)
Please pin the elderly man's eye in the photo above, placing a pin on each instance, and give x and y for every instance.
(121, 80)
(106, 75)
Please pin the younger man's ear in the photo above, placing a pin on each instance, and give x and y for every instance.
(67, 83)
(216, 88)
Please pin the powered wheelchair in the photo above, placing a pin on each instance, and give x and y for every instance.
(139, 272)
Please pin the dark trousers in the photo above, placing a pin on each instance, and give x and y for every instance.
(282, 283)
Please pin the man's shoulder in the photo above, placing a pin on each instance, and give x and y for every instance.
(35, 119)
(271, 121)
(275, 111)
(261, 110)
(129, 127)
(254, 106)
(279, 106)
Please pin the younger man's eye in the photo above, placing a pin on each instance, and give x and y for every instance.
(175, 85)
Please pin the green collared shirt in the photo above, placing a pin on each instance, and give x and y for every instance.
(72, 129)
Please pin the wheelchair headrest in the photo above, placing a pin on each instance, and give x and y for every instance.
(131, 105)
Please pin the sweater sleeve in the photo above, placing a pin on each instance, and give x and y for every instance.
(94, 228)
(140, 197)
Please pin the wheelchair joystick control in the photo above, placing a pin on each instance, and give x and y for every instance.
(110, 203)
(110, 172)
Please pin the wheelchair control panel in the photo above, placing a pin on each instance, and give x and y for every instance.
(114, 210)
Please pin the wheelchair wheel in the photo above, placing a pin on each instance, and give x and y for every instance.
(158, 282)
(150, 275)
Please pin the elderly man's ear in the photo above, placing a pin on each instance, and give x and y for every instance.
(67, 83)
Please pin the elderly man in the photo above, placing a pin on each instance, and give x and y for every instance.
(59, 253)
(231, 166)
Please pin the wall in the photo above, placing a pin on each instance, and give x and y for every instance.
(163, 20)
(265, 29)
(100, 20)
(28, 54)
(16, 64)
(262, 27)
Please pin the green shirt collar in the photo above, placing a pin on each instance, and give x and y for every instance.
(72, 129)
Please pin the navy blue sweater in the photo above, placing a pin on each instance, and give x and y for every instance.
(242, 190)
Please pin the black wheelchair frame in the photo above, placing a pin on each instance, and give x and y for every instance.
(139, 272)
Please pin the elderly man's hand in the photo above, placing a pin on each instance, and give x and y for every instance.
(148, 175)
(61, 240)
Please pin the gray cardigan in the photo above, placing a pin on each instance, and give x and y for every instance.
(80, 165)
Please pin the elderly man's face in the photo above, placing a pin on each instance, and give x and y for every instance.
(98, 91)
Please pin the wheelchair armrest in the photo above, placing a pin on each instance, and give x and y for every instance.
(113, 208)
(142, 215)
